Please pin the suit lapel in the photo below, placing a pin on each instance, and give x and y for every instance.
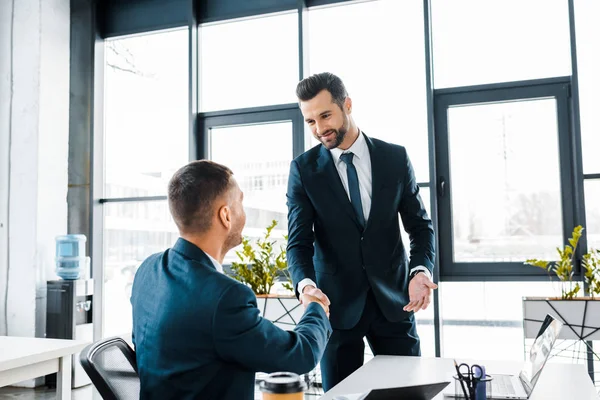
(331, 179)
(378, 172)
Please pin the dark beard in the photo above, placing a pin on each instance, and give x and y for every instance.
(340, 134)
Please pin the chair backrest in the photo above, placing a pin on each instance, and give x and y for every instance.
(111, 366)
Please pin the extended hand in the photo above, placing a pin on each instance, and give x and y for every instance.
(314, 292)
(419, 292)
(307, 299)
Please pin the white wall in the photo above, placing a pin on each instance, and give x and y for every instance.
(34, 119)
(5, 98)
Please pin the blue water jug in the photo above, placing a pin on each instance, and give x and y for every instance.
(71, 261)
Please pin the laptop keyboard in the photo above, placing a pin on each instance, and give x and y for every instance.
(503, 385)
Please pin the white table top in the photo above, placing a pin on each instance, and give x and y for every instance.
(558, 381)
(21, 351)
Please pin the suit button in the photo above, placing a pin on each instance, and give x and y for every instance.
(364, 267)
(362, 238)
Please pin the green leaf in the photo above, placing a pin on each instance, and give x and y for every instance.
(537, 263)
(564, 269)
(260, 263)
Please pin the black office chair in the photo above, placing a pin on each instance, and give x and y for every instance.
(110, 364)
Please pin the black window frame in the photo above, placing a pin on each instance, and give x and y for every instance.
(558, 88)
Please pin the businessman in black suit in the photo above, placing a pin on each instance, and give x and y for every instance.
(344, 198)
(198, 333)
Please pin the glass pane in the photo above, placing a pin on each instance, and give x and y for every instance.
(592, 213)
(260, 161)
(505, 181)
(484, 320)
(132, 232)
(249, 63)
(146, 112)
(478, 42)
(387, 86)
(588, 64)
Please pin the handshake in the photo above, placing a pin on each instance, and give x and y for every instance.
(311, 294)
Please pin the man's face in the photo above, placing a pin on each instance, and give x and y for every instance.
(238, 216)
(328, 123)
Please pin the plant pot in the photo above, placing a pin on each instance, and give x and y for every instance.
(581, 316)
(283, 310)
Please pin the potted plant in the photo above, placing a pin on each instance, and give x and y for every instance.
(261, 264)
(580, 314)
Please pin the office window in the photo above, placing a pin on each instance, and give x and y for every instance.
(261, 151)
(381, 59)
(592, 212)
(504, 206)
(146, 140)
(132, 232)
(478, 42)
(249, 63)
(146, 112)
(588, 64)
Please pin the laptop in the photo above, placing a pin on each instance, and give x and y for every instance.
(416, 392)
(521, 386)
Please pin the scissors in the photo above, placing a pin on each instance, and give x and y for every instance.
(470, 372)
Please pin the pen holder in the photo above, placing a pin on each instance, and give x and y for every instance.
(482, 390)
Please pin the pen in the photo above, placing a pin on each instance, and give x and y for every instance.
(458, 375)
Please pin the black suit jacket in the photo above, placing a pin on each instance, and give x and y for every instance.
(198, 333)
(327, 245)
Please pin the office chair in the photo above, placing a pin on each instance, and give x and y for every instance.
(110, 364)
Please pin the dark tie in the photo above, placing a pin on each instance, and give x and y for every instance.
(353, 187)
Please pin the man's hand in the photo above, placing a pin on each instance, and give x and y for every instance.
(419, 292)
(314, 292)
(307, 299)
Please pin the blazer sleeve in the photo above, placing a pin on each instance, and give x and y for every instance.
(242, 336)
(301, 216)
(416, 221)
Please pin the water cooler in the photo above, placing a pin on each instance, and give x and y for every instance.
(69, 301)
(69, 316)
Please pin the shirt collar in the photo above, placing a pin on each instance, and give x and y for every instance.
(195, 253)
(217, 265)
(359, 148)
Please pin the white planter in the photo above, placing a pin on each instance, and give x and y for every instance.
(581, 316)
(284, 311)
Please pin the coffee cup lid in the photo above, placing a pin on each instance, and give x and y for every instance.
(282, 382)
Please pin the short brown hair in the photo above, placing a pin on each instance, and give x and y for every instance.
(310, 87)
(193, 190)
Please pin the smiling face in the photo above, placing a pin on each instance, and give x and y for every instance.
(328, 122)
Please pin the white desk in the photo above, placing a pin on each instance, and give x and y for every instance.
(26, 358)
(558, 381)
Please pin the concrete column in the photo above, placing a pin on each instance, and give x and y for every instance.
(34, 137)
(6, 8)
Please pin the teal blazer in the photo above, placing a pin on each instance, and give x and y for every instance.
(198, 333)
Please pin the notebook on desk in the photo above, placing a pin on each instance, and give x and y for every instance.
(520, 386)
(416, 392)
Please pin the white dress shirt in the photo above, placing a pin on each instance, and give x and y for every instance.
(362, 163)
(217, 264)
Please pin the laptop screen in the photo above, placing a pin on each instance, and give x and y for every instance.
(540, 351)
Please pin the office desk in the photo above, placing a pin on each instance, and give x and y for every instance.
(24, 358)
(558, 381)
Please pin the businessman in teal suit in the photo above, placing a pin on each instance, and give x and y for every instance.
(345, 197)
(198, 333)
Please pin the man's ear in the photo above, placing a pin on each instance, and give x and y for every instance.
(348, 105)
(225, 216)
